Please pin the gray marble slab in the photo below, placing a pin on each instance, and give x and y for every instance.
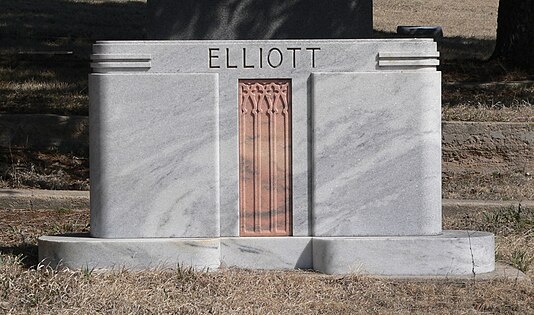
(154, 155)
(365, 159)
(376, 154)
(240, 58)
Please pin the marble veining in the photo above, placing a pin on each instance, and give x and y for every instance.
(82, 251)
(267, 252)
(154, 169)
(376, 154)
(450, 253)
(365, 167)
(190, 56)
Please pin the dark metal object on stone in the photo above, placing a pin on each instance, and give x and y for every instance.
(435, 32)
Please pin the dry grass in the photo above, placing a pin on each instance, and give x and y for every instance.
(489, 181)
(459, 18)
(30, 88)
(487, 112)
(25, 289)
(20, 168)
(249, 292)
(508, 102)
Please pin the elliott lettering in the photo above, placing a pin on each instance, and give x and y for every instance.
(259, 58)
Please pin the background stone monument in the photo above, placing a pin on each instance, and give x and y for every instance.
(258, 19)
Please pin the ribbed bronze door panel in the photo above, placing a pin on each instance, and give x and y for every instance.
(265, 157)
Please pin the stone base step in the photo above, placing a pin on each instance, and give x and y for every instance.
(452, 253)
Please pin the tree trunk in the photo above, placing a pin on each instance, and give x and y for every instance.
(515, 33)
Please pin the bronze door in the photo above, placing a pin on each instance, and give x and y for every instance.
(265, 157)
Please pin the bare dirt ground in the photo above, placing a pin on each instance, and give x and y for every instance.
(459, 18)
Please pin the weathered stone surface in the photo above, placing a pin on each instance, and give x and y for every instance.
(267, 252)
(234, 60)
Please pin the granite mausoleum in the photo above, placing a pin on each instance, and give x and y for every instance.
(272, 154)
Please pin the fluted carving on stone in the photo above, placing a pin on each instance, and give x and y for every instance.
(265, 157)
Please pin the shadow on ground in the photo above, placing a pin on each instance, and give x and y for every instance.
(29, 254)
(45, 47)
(67, 25)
